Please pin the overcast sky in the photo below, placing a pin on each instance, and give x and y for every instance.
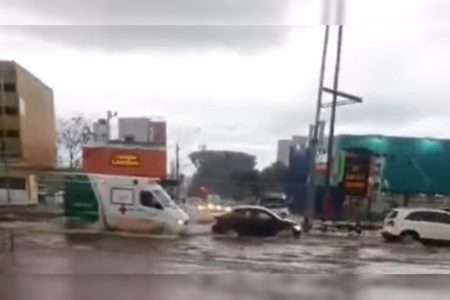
(244, 71)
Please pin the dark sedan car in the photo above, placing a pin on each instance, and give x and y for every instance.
(254, 221)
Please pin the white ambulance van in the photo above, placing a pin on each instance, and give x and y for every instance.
(123, 203)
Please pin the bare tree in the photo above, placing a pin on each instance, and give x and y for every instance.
(73, 133)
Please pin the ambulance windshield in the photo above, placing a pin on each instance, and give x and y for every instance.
(163, 198)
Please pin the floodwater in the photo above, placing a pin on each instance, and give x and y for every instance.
(337, 267)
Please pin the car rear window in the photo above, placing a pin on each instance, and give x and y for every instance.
(392, 214)
(273, 202)
(242, 212)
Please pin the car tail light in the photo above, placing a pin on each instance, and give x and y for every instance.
(391, 223)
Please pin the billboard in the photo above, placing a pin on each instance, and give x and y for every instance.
(356, 174)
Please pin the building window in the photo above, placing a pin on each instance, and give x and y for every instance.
(13, 183)
(12, 133)
(12, 111)
(17, 184)
(129, 138)
(9, 87)
(122, 196)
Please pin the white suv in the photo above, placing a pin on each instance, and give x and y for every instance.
(421, 224)
(276, 203)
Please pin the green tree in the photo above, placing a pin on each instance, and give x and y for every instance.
(246, 184)
(271, 178)
(215, 170)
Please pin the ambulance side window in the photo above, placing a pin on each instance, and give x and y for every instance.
(148, 200)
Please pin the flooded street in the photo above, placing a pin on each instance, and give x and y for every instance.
(358, 260)
(56, 253)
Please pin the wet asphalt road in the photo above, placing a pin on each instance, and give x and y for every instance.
(347, 260)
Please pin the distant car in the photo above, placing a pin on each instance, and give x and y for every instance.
(276, 202)
(254, 221)
(424, 225)
(202, 211)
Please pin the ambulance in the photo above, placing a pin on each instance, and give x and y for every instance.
(123, 203)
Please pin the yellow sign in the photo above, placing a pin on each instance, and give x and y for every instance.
(125, 160)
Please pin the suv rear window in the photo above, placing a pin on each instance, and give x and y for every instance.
(392, 214)
(434, 217)
(443, 218)
(420, 216)
(429, 216)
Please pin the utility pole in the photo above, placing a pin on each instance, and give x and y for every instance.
(314, 140)
(4, 156)
(177, 161)
(333, 116)
(177, 169)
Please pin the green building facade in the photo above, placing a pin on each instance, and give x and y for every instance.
(413, 165)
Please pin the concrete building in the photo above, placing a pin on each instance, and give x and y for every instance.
(284, 146)
(27, 133)
(101, 132)
(302, 142)
(143, 130)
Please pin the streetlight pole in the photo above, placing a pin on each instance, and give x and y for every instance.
(314, 140)
(4, 156)
(333, 116)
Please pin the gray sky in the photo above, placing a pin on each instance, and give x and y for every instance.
(245, 71)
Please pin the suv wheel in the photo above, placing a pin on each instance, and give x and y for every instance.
(410, 237)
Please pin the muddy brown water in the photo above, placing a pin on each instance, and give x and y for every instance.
(316, 267)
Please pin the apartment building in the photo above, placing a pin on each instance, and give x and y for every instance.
(27, 133)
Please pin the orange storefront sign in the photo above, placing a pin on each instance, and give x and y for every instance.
(125, 160)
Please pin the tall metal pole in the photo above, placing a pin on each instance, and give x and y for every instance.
(4, 156)
(314, 140)
(333, 117)
(177, 169)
